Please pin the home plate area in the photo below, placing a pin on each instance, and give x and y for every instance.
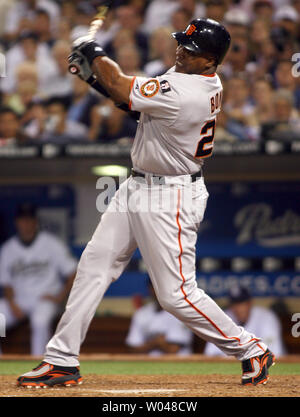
(159, 386)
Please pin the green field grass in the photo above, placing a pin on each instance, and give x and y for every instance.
(13, 367)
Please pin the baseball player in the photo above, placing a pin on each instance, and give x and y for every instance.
(32, 265)
(175, 133)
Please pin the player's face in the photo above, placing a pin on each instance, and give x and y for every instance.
(26, 228)
(190, 63)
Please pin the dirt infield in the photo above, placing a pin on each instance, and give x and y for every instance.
(160, 386)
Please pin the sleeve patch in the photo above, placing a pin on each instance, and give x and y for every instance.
(150, 88)
(165, 86)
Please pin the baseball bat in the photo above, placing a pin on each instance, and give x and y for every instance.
(95, 25)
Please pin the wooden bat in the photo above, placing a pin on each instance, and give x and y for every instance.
(97, 21)
(95, 25)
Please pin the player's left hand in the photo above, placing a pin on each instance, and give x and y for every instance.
(80, 64)
(88, 48)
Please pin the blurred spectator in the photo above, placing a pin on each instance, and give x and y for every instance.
(42, 27)
(34, 120)
(83, 99)
(60, 129)
(162, 52)
(262, 94)
(129, 59)
(26, 92)
(84, 12)
(222, 131)
(195, 8)
(108, 30)
(5, 6)
(32, 265)
(263, 9)
(179, 20)
(237, 23)
(258, 320)
(237, 58)
(259, 33)
(240, 110)
(296, 5)
(56, 81)
(109, 123)
(286, 122)
(68, 12)
(38, 34)
(287, 18)
(215, 9)
(64, 30)
(129, 20)
(283, 78)
(22, 13)
(158, 14)
(10, 128)
(27, 49)
(26, 72)
(157, 332)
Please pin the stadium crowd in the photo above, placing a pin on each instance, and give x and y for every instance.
(40, 101)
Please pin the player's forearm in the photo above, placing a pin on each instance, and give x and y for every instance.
(110, 75)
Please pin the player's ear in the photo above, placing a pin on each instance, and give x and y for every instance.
(211, 62)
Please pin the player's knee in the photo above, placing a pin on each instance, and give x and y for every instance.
(96, 262)
(172, 303)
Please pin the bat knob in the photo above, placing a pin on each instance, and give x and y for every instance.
(73, 69)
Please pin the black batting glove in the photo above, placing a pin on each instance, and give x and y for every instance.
(88, 48)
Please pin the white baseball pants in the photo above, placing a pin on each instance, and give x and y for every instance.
(41, 314)
(162, 220)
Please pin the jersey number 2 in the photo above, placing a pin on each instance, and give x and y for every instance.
(205, 144)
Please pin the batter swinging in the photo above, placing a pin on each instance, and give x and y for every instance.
(175, 132)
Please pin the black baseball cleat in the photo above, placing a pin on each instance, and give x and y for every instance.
(255, 370)
(46, 375)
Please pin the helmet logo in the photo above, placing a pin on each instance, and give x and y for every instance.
(190, 30)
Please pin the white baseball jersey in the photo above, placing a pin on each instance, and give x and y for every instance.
(147, 323)
(177, 123)
(35, 270)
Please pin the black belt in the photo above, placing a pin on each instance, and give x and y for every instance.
(159, 179)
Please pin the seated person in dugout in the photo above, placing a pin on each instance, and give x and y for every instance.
(259, 320)
(36, 274)
(154, 331)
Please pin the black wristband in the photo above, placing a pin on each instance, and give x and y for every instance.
(92, 50)
(92, 81)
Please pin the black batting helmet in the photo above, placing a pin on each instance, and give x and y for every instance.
(205, 36)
